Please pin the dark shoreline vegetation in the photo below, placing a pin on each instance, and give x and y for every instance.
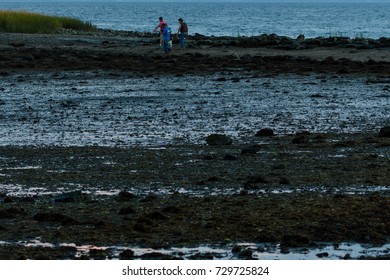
(27, 22)
(297, 190)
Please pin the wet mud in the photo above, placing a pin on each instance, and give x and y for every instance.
(104, 156)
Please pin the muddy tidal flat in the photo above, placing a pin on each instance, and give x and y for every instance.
(105, 149)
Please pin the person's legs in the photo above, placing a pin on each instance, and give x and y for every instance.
(183, 39)
(166, 47)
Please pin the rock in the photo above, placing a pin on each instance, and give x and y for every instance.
(156, 256)
(252, 150)
(322, 255)
(126, 255)
(8, 199)
(236, 249)
(209, 157)
(202, 256)
(97, 254)
(75, 196)
(253, 181)
(229, 157)
(245, 254)
(125, 196)
(55, 218)
(384, 132)
(17, 44)
(265, 132)
(300, 139)
(284, 181)
(218, 140)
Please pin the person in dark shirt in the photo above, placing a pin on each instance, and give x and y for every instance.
(183, 32)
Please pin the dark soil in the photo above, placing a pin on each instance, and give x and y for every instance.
(297, 195)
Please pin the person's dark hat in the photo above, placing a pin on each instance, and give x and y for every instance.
(180, 19)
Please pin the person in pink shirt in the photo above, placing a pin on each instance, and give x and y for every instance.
(161, 25)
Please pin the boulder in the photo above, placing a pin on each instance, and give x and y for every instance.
(384, 132)
(75, 196)
(265, 132)
(218, 140)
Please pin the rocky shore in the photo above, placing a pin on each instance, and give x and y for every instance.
(139, 53)
(291, 191)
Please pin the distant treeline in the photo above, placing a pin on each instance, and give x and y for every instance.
(27, 22)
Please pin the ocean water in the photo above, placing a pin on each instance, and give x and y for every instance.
(369, 20)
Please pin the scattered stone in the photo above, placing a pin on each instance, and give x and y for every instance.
(347, 257)
(252, 150)
(301, 38)
(126, 255)
(97, 254)
(125, 196)
(75, 196)
(202, 256)
(218, 140)
(322, 255)
(55, 218)
(253, 181)
(8, 199)
(213, 179)
(69, 103)
(384, 132)
(17, 44)
(245, 254)
(265, 132)
(209, 157)
(284, 181)
(229, 157)
(156, 256)
(236, 249)
(300, 139)
(316, 95)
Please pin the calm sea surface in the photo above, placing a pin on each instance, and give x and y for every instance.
(232, 19)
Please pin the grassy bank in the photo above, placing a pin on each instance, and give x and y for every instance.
(26, 22)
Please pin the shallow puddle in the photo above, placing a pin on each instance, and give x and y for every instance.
(261, 251)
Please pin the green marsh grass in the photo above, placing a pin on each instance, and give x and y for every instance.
(27, 22)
